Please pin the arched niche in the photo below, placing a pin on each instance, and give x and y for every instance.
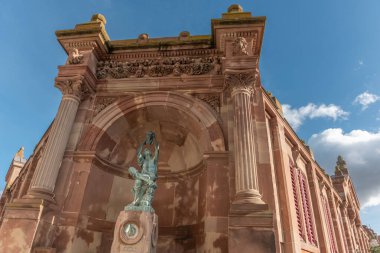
(185, 128)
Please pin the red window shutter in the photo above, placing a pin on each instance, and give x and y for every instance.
(343, 233)
(293, 175)
(329, 222)
(306, 204)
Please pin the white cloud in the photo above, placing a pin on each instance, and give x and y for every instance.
(365, 99)
(296, 116)
(372, 201)
(361, 150)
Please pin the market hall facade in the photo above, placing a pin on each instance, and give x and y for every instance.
(233, 176)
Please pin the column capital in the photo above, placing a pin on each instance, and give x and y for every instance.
(73, 86)
(240, 81)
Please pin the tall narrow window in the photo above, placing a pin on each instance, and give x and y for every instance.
(342, 230)
(293, 174)
(306, 204)
(326, 209)
(302, 202)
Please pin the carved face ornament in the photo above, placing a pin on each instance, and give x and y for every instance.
(240, 46)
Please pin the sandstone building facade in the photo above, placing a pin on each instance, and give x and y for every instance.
(233, 175)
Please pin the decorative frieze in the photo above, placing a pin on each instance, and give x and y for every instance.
(175, 66)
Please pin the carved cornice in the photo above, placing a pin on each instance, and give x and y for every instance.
(243, 81)
(74, 86)
(80, 45)
(175, 66)
(131, 55)
(97, 47)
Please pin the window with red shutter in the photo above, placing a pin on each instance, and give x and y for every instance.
(328, 218)
(307, 208)
(293, 175)
(343, 233)
(302, 204)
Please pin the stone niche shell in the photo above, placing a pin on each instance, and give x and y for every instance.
(182, 140)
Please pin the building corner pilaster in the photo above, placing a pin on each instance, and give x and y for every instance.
(251, 224)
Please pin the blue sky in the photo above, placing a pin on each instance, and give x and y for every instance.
(320, 59)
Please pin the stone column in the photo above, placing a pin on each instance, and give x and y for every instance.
(247, 197)
(46, 173)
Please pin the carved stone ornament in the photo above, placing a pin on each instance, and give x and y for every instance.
(212, 99)
(75, 57)
(240, 47)
(240, 80)
(72, 86)
(102, 103)
(174, 66)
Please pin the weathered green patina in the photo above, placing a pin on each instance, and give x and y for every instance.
(145, 180)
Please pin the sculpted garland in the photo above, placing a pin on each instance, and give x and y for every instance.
(175, 66)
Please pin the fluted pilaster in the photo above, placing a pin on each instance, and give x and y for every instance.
(241, 84)
(47, 170)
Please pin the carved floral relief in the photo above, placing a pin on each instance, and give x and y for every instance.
(212, 99)
(102, 103)
(175, 66)
(240, 80)
(73, 86)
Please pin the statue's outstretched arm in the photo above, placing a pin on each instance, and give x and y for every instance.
(156, 152)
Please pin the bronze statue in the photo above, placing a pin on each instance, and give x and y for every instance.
(145, 180)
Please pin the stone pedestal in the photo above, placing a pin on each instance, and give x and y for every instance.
(135, 231)
(251, 233)
(27, 224)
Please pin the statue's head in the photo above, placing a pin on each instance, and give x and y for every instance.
(150, 137)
